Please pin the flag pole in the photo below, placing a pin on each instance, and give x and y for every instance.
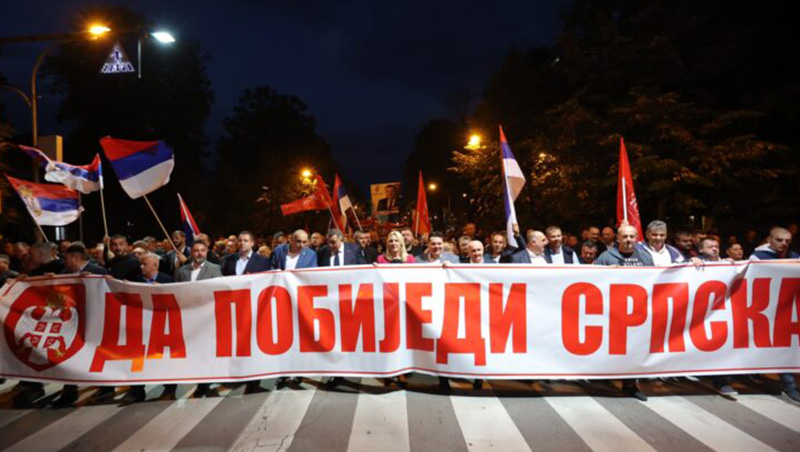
(355, 214)
(103, 209)
(80, 218)
(624, 201)
(161, 224)
(41, 231)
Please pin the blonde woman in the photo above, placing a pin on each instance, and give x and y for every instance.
(395, 250)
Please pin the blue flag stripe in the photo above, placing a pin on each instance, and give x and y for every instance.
(58, 205)
(134, 164)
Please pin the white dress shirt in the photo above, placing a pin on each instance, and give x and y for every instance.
(241, 263)
(537, 259)
(196, 271)
(661, 258)
(291, 262)
(341, 257)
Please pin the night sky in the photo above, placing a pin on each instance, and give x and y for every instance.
(372, 72)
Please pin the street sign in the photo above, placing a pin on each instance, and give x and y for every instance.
(117, 62)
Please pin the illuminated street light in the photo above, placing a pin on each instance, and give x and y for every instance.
(306, 173)
(98, 30)
(432, 186)
(163, 37)
(474, 141)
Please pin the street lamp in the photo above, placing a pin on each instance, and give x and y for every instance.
(163, 37)
(432, 186)
(474, 141)
(96, 31)
(306, 173)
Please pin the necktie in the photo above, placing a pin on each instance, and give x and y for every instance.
(336, 260)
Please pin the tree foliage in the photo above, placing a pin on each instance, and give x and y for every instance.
(695, 89)
(268, 140)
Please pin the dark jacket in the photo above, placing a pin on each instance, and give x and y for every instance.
(256, 263)
(161, 278)
(568, 253)
(351, 256)
(54, 266)
(124, 267)
(89, 268)
(765, 253)
(368, 255)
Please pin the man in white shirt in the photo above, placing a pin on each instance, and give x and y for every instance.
(556, 252)
(534, 250)
(663, 254)
(245, 260)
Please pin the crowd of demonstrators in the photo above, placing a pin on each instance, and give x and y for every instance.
(152, 261)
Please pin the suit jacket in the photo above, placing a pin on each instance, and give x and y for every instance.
(504, 258)
(368, 255)
(351, 256)
(91, 268)
(161, 278)
(124, 267)
(168, 261)
(383, 205)
(256, 263)
(444, 257)
(522, 257)
(307, 258)
(207, 271)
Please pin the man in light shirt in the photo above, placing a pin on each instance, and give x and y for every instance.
(663, 254)
(556, 252)
(436, 252)
(295, 254)
(245, 260)
(534, 250)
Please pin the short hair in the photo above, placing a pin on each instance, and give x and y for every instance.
(682, 233)
(246, 232)
(149, 256)
(777, 229)
(463, 238)
(708, 239)
(435, 234)
(77, 248)
(179, 232)
(550, 229)
(406, 229)
(334, 231)
(303, 231)
(41, 247)
(589, 244)
(500, 233)
(4, 257)
(118, 237)
(140, 244)
(149, 239)
(199, 242)
(656, 224)
(278, 234)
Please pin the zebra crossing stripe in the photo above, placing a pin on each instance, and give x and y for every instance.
(67, 429)
(273, 427)
(773, 408)
(486, 425)
(380, 421)
(706, 427)
(165, 430)
(601, 430)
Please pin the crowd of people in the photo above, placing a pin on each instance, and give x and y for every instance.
(151, 261)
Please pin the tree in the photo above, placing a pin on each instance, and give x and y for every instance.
(693, 88)
(268, 140)
(170, 102)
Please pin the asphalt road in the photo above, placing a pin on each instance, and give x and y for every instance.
(364, 415)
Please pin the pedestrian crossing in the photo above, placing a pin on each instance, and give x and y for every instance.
(365, 415)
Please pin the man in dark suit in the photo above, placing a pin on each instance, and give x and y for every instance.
(43, 260)
(390, 202)
(368, 254)
(76, 260)
(337, 253)
(294, 254)
(172, 260)
(245, 260)
(533, 253)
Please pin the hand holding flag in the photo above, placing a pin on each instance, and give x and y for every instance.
(627, 207)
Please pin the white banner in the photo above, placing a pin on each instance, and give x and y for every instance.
(490, 321)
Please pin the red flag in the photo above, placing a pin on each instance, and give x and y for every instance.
(319, 200)
(322, 193)
(335, 208)
(627, 208)
(422, 223)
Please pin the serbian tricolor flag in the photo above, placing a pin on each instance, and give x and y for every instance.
(84, 178)
(48, 204)
(319, 200)
(188, 224)
(422, 223)
(341, 202)
(627, 207)
(141, 166)
(513, 181)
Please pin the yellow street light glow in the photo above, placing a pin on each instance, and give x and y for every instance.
(306, 173)
(474, 140)
(432, 186)
(98, 30)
